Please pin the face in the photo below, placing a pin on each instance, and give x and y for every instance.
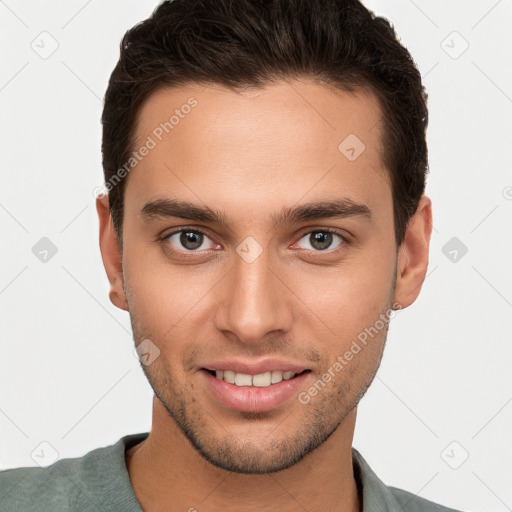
(258, 247)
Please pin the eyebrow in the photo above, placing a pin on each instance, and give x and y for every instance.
(163, 208)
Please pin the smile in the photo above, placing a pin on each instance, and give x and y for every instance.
(261, 380)
(254, 392)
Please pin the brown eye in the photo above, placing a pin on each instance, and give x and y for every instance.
(191, 240)
(320, 240)
(188, 240)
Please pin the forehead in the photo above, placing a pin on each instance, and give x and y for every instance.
(280, 113)
(274, 144)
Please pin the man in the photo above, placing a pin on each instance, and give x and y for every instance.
(265, 166)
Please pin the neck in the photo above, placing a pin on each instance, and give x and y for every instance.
(167, 473)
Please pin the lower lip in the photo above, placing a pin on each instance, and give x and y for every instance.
(251, 398)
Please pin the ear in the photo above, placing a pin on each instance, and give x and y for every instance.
(413, 254)
(111, 254)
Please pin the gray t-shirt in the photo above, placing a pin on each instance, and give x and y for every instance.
(99, 481)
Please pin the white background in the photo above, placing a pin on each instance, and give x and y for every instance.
(68, 375)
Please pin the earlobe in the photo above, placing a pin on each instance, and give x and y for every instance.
(413, 254)
(111, 254)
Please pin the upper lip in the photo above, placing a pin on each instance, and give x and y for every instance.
(255, 367)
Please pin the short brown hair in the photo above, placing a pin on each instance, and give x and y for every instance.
(251, 43)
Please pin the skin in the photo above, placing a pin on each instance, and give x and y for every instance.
(249, 155)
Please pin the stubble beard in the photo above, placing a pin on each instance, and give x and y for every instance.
(322, 417)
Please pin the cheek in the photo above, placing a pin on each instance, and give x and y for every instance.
(159, 288)
(166, 300)
(345, 300)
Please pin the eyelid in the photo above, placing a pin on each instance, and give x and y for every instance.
(336, 231)
(185, 228)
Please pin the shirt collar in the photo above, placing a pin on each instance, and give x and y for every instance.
(375, 495)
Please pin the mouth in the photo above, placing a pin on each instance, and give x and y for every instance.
(260, 380)
(262, 386)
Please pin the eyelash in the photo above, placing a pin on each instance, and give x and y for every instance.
(190, 254)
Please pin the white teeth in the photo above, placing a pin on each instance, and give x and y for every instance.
(229, 376)
(242, 379)
(262, 380)
(277, 377)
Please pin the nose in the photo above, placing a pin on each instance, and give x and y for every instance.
(255, 301)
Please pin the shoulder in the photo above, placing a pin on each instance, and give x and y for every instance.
(378, 497)
(53, 488)
(409, 502)
(80, 483)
